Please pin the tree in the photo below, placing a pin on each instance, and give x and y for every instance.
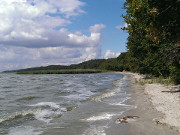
(154, 31)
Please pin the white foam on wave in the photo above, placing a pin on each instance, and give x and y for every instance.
(19, 114)
(103, 116)
(120, 82)
(117, 83)
(28, 130)
(82, 95)
(121, 103)
(50, 104)
(95, 130)
(76, 97)
(98, 98)
(49, 114)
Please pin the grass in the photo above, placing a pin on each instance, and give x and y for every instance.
(161, 80)
(75, 71)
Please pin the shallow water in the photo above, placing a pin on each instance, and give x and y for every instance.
(61, 104)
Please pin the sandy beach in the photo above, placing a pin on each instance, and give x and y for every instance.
(157, 107)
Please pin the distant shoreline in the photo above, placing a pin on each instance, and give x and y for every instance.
(75, 71)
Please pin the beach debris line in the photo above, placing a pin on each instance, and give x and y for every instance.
(159, 123)
(126, 119)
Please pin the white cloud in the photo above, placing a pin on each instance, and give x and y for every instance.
(83, 48)
(67, 7)
(31, 23)
(89, 41)
(22, 57)
(97, 28)
(28, 34)
(110, 54)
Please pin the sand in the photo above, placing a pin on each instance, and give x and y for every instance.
(159, 112)
(167, 103)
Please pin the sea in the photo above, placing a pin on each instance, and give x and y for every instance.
(62, 104)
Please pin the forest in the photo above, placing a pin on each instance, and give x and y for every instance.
(154, 38)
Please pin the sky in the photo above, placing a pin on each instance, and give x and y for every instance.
(59, 32)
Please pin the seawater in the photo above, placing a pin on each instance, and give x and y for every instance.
(82, 104)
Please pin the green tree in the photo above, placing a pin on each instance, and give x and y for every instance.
(154, 32)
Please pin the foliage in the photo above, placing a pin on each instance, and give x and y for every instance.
(94, 66)
(160, 80)
(154, 37)
(76, 71)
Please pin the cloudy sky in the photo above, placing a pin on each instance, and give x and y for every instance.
(48, 32)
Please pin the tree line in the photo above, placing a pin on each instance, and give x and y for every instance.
(154, 37)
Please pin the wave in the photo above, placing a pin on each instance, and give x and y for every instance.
(20, 114)
(117, 87)
(63, 92)
(26, 98)
(98, 98)
(28, 130)
(76, 97)
(41, 114)
(103, 116)
(50, 104)
(7, 87)
(71, 108)
(48, 114)
(121, 103)
(94, 130)
(81, 95)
